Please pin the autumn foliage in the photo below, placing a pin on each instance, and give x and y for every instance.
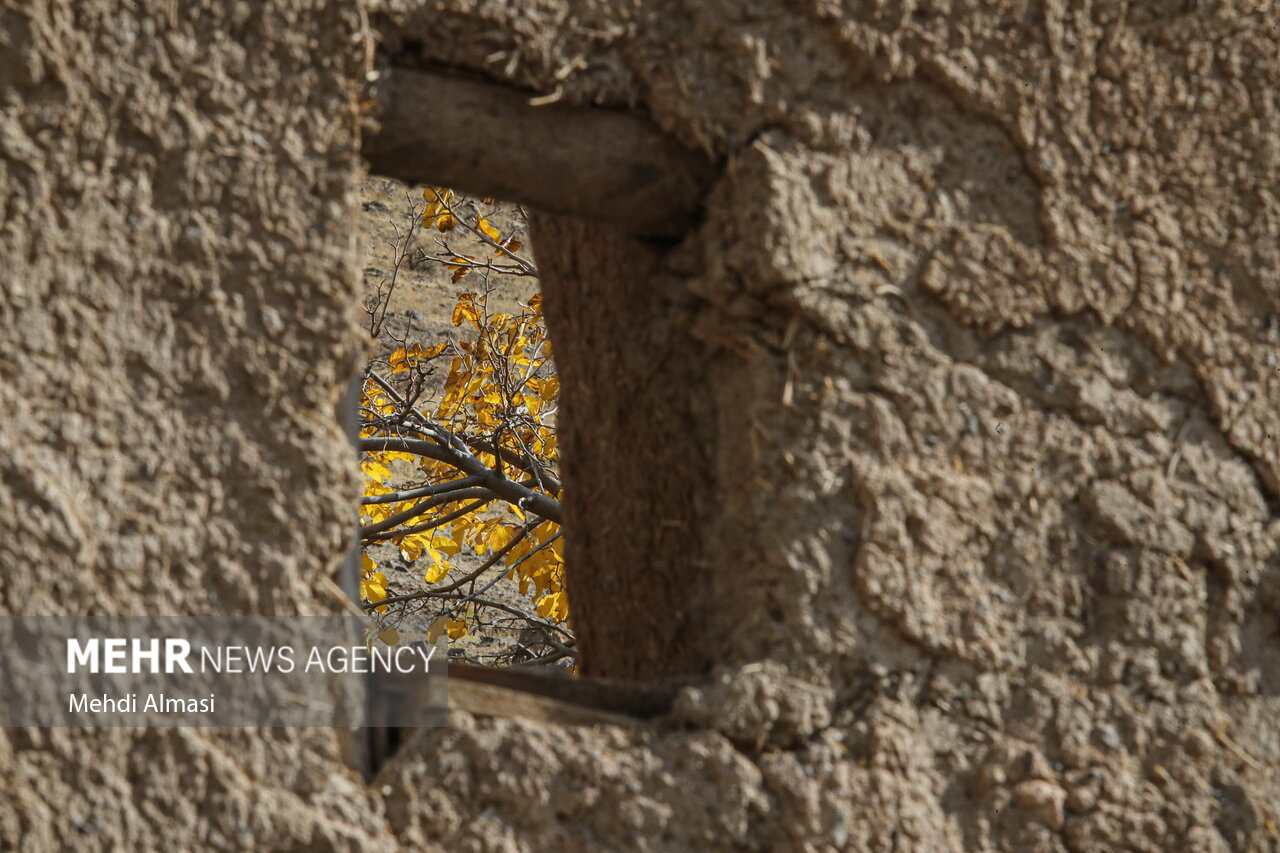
(467, 467)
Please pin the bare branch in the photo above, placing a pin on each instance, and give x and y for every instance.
(422, 506)
(423, 492)
(431, 525)
(508, 490)
(460, 582)
(525, 462)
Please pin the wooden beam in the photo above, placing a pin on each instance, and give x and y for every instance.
(534, 694)
(607, 697)
(487, 140)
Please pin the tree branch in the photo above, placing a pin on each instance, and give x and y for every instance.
(422, 506)
(508, 490)
(422, 492)
(524, 463)
(430, 525)
(460, 582)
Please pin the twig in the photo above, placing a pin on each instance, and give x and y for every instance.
(495, 605)
(529, 465)
(470, 576)
(422, 506)
(552, 657)
(510, 568)
(485, 238)
(424, 491)
(508, 490)
(431, 525)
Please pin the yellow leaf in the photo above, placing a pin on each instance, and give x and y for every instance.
(525, 546)
(437, 628)
(389, 635)
(376, 513)
(539, 563)
(436, 212)
(402, 359)
(411, 546)
(499, 536)
(375, 470)
(457, 628)
(466, 310)
(436, 194)
(449, 405)
(488, 230)
(554, 606)
(446, 544)
(436, 573)
(374, 588)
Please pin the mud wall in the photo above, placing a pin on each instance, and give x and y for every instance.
(970, 366)
(958, 436)
(176, 310)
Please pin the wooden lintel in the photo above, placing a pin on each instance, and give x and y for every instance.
(488, 140)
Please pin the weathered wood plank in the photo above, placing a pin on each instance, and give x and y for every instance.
(487, 140)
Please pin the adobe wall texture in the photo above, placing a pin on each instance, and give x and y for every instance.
(970, 378)
(971, 364)
(176, 312)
